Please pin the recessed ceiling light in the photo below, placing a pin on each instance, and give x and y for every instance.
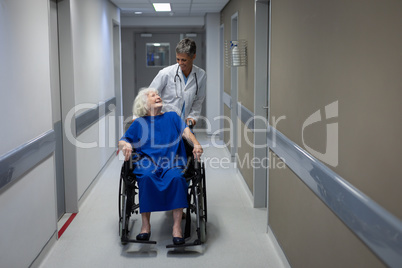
(162, 7)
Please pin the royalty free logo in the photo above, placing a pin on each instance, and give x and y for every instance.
(331, 152)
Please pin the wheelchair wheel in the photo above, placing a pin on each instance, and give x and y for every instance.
(203, 223)
(201, 216)
(204, 187)
(124, 217)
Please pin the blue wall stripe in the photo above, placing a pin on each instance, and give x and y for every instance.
(91, 116)
(227, 99)
(375, 226)
(243, 113)
(246, 116)
(87, 119)
(110, 105)
(14, 164)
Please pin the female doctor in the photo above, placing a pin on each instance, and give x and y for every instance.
(182, 85)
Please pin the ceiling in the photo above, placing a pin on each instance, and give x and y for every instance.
(180, 8)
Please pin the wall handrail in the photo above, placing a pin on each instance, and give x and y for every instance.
(375, 226)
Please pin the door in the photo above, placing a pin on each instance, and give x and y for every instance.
(153, 52)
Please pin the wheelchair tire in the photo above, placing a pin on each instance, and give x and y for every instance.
(123, 218)
(204, 187)
(201, 222)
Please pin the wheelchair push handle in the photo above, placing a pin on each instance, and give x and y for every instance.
(190, 124)
(196, 163)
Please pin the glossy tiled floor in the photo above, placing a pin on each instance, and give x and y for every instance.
(236, 231)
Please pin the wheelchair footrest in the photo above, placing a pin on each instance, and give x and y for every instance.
(138, 241)
(197, 242)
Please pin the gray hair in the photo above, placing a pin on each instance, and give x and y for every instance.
(140, 107)
(186, 46)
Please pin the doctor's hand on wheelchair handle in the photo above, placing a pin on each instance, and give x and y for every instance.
(190, 122)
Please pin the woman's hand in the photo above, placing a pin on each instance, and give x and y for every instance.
(126, 148)
(197, 151)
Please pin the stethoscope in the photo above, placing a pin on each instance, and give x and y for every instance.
(181, 87)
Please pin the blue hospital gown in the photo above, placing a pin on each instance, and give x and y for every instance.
(159, 160)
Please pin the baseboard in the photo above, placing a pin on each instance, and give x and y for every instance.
(241, 178)
(45, 251)
(245, 186)
(278, 248)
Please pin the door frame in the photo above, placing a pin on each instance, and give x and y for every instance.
(234, 33)
(261, 102)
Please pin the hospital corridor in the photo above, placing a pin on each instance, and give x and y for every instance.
(295, 110)
(237, 235)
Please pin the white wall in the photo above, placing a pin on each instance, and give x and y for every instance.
(87, 78)
(28, 206)
(24, 72)
(92, 35)
(28, 216)
(213, 98)
(92, 30)
(91, 160)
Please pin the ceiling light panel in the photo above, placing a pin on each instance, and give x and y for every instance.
(162, 7)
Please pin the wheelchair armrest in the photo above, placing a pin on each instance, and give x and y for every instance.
(189, 147)
(128, 167)
(192, 169)
(187, 171)
(127, 174)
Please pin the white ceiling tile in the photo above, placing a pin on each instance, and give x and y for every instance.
(179, 7)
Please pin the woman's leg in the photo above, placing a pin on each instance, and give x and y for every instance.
(146, 223)
(177, 214)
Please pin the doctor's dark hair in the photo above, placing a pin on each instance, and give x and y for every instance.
(140, 107)
(186, 46)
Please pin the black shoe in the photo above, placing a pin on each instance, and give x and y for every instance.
(178, 240)
(143, 236)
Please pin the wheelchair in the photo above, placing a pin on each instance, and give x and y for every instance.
(196, 196)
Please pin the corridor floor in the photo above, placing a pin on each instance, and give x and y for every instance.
(237, 234)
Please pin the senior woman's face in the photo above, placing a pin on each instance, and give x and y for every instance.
(154, 100)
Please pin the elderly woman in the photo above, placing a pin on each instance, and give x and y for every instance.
(159, 160)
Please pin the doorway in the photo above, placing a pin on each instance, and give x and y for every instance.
(56, 108)
(261, 101)
(117, 82)
(234, 92)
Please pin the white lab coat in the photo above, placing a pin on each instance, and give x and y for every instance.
(174, 93)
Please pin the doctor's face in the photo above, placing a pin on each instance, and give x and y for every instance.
(185, 62)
